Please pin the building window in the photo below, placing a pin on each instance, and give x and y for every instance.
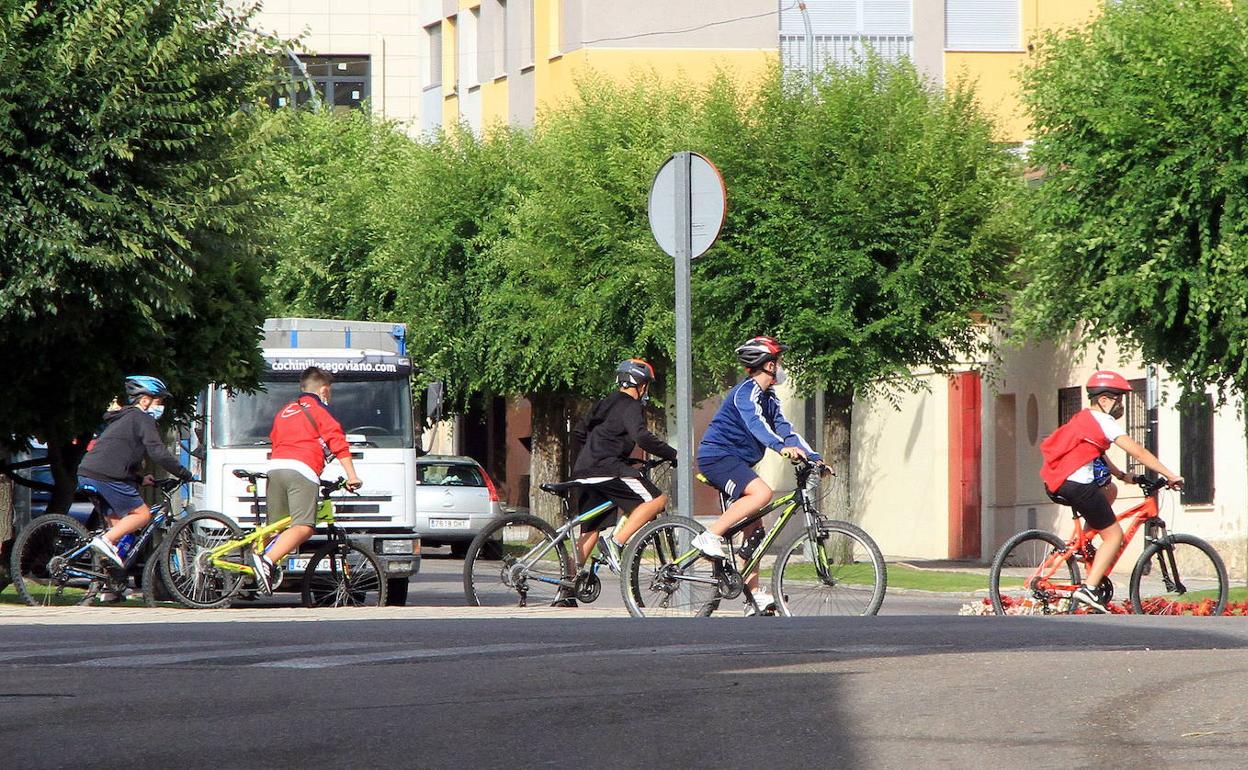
(469, 75)
(844, 30)
(1069, 402)
(983, 25)
(341, 82)
(532, 32)
(1196, 450)
(501, 59)
(433, 75)
(1140, 420)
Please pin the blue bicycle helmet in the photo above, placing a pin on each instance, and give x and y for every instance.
(145, 385)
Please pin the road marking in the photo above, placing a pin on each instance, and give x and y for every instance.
(131, 661)
(378, 657)
(7, 656)
(670, 649)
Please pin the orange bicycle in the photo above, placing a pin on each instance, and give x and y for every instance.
(1035, 572)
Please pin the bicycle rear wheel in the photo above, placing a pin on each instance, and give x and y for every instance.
(1179, 575)
(654, 583)
(840, 573)
(535, 564)
(45, 554)
(343, 574)
(1029, 575)
(185, 565)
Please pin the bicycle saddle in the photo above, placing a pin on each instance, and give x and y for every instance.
(561, 488)
(1055, 497)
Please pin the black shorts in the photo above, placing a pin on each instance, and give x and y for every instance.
(624, 493)
(1090, 502)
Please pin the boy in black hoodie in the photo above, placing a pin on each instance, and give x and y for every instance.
(112, 465)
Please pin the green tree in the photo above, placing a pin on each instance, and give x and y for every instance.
(1141, 222)
(869, 220)
(128, 206)
(1142, 233)
(578, 283)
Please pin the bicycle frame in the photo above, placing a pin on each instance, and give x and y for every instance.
(1143, 515)
(790, 502)
(258, 537)
(161, 512)
(563, 533)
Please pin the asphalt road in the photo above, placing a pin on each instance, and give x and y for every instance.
(563, 691)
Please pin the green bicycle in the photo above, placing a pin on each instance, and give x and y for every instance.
(204, 559)
(826, 568)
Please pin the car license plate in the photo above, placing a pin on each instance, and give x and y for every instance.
(297, 565)
(448, 523)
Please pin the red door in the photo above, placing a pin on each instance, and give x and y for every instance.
(964, 465)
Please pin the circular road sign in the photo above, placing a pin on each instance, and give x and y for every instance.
(708, 204)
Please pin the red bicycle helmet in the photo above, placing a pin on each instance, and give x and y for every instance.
(756, 351)
(1108, 383)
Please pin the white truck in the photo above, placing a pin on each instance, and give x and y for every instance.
(372, 400)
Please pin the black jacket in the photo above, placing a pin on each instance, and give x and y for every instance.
(608, 434)
(117, 455)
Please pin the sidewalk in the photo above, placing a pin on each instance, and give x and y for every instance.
(16, 615)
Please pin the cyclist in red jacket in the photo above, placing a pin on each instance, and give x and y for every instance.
(305, 436)
(1069, 472)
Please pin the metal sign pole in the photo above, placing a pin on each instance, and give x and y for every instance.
(684, 333)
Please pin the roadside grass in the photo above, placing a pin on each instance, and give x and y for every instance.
(903, 576)
(68, 598)
(1236, 595)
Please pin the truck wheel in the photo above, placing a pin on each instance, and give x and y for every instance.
(396, 591)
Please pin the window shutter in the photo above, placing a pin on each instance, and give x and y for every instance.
(983, 25)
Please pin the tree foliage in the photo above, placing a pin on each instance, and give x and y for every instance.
(870, 218)
(1140, 123)
(128, 201)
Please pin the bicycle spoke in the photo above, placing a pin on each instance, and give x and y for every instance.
(517, 561)
(840, 573)
(1032, 574)
(660, 587)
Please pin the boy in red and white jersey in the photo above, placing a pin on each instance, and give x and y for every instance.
(1069, 471)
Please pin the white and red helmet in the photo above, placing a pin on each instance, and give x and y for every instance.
(1107, 383)
(756, 351)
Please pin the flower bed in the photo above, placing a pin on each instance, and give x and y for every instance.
(1155, 606)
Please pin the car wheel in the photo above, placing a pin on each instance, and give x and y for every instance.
(459, 549)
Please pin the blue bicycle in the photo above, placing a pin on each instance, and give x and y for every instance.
(53, 563)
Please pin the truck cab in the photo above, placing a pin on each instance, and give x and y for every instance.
(371, 399)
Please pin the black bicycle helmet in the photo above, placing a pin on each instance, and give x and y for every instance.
(145, 385)
(634, 372)
(756, 351)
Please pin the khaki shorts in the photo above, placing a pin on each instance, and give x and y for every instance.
(290, 493)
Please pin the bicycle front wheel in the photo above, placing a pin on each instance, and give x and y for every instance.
(1033, 574)
(662, 575)
(49, 559)
(518, 560)
(1179, 575)
(842, 572)
(343, 574)
(186, 564)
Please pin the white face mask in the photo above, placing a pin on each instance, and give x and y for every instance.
(156, 411)
(781, 376)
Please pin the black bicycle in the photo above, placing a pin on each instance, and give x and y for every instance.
(52, 559)
(827, 567)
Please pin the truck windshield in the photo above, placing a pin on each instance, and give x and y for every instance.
(378, 410)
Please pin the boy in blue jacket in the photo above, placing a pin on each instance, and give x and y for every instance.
(748, 423)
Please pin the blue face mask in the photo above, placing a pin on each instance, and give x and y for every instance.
(156, 411)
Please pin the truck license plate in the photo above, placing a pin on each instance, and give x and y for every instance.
(449, 523)
(297, 565)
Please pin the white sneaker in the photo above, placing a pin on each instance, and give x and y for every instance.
(262, 570)
(107, 550)
(765, 601)
(111, 597)
(710, 544)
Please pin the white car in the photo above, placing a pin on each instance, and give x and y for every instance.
(455, 499)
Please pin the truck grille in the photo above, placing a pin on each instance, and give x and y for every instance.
(363, 509)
